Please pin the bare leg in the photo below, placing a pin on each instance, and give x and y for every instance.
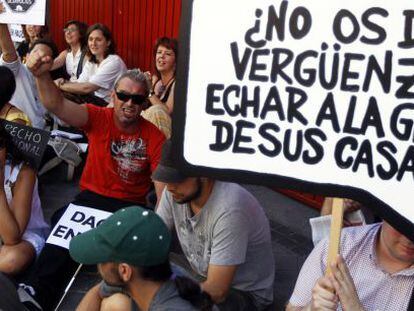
(14, 259)
(116, 302)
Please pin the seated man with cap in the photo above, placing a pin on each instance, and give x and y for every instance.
(131, 249)
(224, 234)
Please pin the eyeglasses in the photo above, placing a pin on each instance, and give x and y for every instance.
(137, 99)
(69, 30)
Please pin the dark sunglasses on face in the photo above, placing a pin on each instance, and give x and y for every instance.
(137, 99)
(69, 30)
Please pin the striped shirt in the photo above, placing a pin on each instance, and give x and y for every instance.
(377, 289)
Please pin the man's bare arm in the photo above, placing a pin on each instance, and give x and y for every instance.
(82, 88)
(218, 283)
(6, 43)
(91, 301)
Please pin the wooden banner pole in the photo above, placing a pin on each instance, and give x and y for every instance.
(335, 234)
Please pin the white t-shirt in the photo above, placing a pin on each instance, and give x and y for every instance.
(72, 62)
(103, 75)
(26, 97)
(37, 220)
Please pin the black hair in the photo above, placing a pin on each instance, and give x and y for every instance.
(108, 36)
(12, 152)
(82, 28)
(49, 43)
(187, 288)
(8, 85)
(158, 273)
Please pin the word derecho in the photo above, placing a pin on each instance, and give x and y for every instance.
(274, 109)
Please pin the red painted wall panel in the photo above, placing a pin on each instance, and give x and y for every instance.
(135, 24)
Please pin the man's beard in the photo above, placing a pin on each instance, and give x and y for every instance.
(196, 194)
(114, 279)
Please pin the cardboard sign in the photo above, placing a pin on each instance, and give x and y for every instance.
(16, 32)
(25, 12)
(315, 96)
(30, 142)
(76, 220)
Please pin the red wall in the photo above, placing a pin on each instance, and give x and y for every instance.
(135, 24)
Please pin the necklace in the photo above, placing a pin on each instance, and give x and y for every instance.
(163, 86)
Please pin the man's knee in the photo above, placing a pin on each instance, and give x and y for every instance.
(116, 302)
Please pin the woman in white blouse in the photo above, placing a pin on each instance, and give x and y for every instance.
(74, 57)
(100, 72)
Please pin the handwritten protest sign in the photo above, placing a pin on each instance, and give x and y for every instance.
(310, 95)
(25, 12)
(16, 33)
(76, 220)
(30, 142)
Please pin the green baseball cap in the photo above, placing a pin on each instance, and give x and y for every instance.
(133, 235)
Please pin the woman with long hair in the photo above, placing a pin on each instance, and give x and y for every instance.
(99, 74)
(163, 82)
(23, 230)
(73, 57)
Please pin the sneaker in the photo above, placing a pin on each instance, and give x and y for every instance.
(26, 294)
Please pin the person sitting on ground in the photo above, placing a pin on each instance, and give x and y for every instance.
(31, 34)
(158, 115)
(161, 99)
(123, 151)
(74, 56)
(374, 272)
(23, 229)
(131, 249)
(100, 72)
(25, 97)
(224, 234)
(163, 82)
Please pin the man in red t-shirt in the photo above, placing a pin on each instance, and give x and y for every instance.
(124, 149)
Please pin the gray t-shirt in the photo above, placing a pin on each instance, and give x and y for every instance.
(231, 229)
(167, 298)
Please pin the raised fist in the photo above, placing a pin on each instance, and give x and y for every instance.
(40, 60)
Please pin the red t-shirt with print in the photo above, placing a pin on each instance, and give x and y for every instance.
(119, 164)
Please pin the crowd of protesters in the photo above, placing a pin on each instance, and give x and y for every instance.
(221, 228)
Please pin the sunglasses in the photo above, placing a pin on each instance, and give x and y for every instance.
(69, 30)
(137, 99)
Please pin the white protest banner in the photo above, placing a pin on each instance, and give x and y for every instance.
(309, 95)
(76, 220)
(16, 32)
(25, 12)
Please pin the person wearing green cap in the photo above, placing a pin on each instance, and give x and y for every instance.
(131, 250)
